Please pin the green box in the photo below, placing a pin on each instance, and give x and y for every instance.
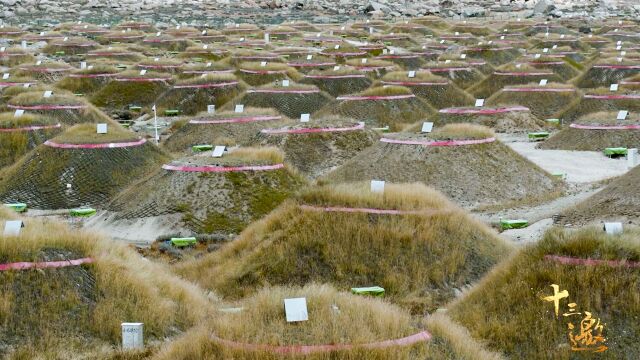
(17, 207)
(513, 224)
(183, 242)
(612, 151)
(376, 291)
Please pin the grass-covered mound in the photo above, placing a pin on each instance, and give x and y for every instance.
(418, 257)
(335, 318)
(203, 53)
(71, 46)
(393, 106)
(389, 39)
(244, 29)
(291, 101)
(76, 311)
(15, 86)
(483, 66)
(167, 42)
(14, 56)
(607, 71)
(191, 96)
(506, 311)
(408, 61)
(219, 203)
(161, 65)
(40, 178)
(562, 67)
(344, 51)
(542, 101)
(511, 75)
(14, 144)
(411, 28)
(8, 31)
(199, 69)
(88, 81)
(461, 73)
(114, 53)
(126, 37)
(598, 100)
(438, 92)
(316, 63)
(572, 42)
(223, 128)
(46, 72)
(475, 29)
(253, 73)
(280, 32)
(61, 106)
(374, 67)
(338, 82)
(488, 173)
(496, 55)
(506, 119)
(572, 138)
(315, 152)
(131, 88)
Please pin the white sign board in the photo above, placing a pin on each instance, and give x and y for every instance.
(239, 108)
(632, 158)
(132, 336)
(18, 113)
(23, 44)
(143, 71)
(427, 127)
(211, 109)
(263, 63)
(613, 87)
(304, 117)
(285, 83)
(12, 228)
(377, 186)
(101, 128)
(613, 228)
(83, 65)
(309, 57)
(218, 151)
(622, 114)
(479, 102)
(296, 309)
(5, 76)
(266, 38)
(543, 82)
(463, 56)
(537, 56)
(411, 74)
(47, 93)
(336, 68)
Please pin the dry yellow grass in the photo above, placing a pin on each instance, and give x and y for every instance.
(386, 91)
(462, 131)
(86, 133)
(59, 97)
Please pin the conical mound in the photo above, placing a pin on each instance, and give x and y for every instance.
(340, 326)
(88, 81)
(214, 195)
(502, 119)
(350, 237)
(224, 128)
(46, 72)
(338, 82)
(393, 106)
(438, 92)
(132, 88)
(192, 96)
(599, 100)
(292, 100)
(15, 56)
(66, 292)
(600, 276)
(318, 146)
(511, 75)
(61, 106)
(79, 167)
(461, 73)
(495, 55)
(607, 71)
(463, 161)
(18, 135)
(543, 101)
(596, 132)
(562, 67)
(255, 74)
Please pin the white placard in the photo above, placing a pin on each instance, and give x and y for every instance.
(537, 56)
(370, 30)
(83, 65)
(384, 51)
(65, 39)
(619, 47)
(613, 228)
(457, 33)
(623, 53)
(285, 83)
(156, 59)
(18, 113)
(2, 49)
(241, 39)
(23, 44)
(441, 41)
(392, 51)
(426, 127)
(39, 62)
(26, 85)
(463, 56)
(239, 108)
(12, 228)
(296, 309)
(377, 186)
(132, 336)
(543, 82)
(364, 61)
(101, 128)
(562, 36)
(204, 32)
(337, 47)
(632, 158)
(545, 50)
(447, 61)
(263, 63)
(479, 102)
(554, 47)
(5, 76)
(218, 151)
(47, 93)
(411, 74)
(502, 37)
(622, 114)
(619, 59)
(209, 64)
(613, 87)
(266, 38)
(336, 68)
(143, 71)
(211, 109)
(205, 46)
(309, 57)
(237, 25)
(305, 117)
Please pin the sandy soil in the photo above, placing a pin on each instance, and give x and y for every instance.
(141, 232)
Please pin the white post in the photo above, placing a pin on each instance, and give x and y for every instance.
(632, 158)
(132, 336)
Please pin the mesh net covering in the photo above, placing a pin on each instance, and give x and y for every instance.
(14, 144)
(604, 74)
(88, 81)
(45, 72)
(560, 66)
(193, 96)
(393, 112)
(511, 75)
(494, 55)
(339, 82)
(314, 154)
(40, 178)
(438, 92)
(542, 101)
(596, 139)
(290, 101)
(210, 202)
(127, 91)
(234, 129)
(461, 73)
(508, 121)
(587, 104)
(61, 107)
(471, 175)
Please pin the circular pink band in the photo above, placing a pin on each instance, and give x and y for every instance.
(373, 211)
(537, 89)
(414, 83)
(534, 63)
(110, 54)
(159, 66)
(521, 73)
(47, 107)
(311, 64)
(439, 143)
(45, 264)
(208, 71)
(359, 53)
(568, 260)
(490, 49)
(236, 120)
(91, 75)
(377, 97)
(45, 70)
(612, 97)
(263, 71)
(95, 146)
(274, 91)
(310, 349)
(312, 130)
(353, 76)
(444, 69)
(141, 79)
(207, 168)
(410, 56)
(485, 111)
(31, 128)
(621, 67)
(6, 84)
(197, 86)
(605, 127)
